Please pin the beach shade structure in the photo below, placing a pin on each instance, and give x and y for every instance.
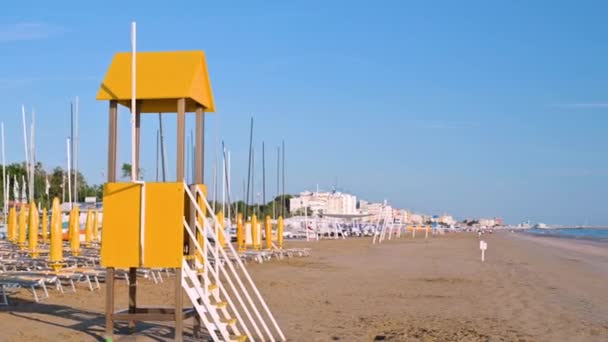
(33, 231)
(268, 232)
(22, 235)
(45, 226)
(74, 235)
(12, 224)
(56, 249)
(95, 226)
(164, 225)
(280, 229)
(240, 233)
(88, 228)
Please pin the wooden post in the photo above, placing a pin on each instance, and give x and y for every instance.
(112, 133)
(109, 303)
(133, 270)
(179, 304)
(199, 169)
(199, 158)
(181, 132)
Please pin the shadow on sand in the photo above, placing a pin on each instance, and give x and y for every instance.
(93, 323)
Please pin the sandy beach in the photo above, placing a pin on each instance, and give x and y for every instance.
(529, 289)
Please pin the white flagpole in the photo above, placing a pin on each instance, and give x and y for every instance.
(32, 160)
(134, 165)
(4, 180)
(75, 156)
(69, 175)
(27, 159)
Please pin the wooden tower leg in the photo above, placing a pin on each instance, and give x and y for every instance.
(112, 133)
(109, 303)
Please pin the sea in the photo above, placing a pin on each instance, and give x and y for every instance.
(595, 234)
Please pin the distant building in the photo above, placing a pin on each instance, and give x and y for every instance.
(375, 210)
(447, 220)
(324, 202)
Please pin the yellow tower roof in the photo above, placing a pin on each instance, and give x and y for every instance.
(162, 78)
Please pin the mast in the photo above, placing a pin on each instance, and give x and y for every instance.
(134, 165)
(27, 159)
(4, 180)
(223, 181)
(283, 197)
(278, 177)
(253, 180)
(32, 175)
(157, 152)
(75, 155)
(69, 173)
(263, 177)
(249, 168)
(162, 146)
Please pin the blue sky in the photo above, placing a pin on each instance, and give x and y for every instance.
(474, 108)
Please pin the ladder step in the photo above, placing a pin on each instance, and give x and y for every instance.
(221, 304)
(229, 321)
(239, 338)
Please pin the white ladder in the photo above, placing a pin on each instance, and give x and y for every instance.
(211, 283)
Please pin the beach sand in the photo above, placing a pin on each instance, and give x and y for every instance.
(529, 289)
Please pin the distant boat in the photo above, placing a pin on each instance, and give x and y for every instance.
(540, 226)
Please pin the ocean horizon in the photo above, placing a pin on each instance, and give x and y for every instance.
(595, 234)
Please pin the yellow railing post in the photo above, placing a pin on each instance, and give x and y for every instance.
(22, 226)
(56, 254)
(75, 229)
(95, 226)
(240, 233)
(88, 233)
(33, 230)
(45, 226)
(268, 228)
(254, 232)
(219, 230)
(280, 228)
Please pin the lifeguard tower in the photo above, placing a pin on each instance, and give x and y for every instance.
(170, 224)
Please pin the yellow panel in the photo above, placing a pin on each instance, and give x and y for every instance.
(120, 229)
(164, 227)
(161, 76)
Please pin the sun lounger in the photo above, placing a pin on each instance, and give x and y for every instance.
(23, 281)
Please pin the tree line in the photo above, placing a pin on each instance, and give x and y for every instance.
(18, 184)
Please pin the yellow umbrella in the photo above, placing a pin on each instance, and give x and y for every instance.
(45, 226)
(254, 232)
(280, 232)
(96, 226)
(240, 233)
(219, 231)
(33, 230)
(56, 236)
(89, 228)
(268, 227)
(22, 226)
(75, 229)
(12, 224)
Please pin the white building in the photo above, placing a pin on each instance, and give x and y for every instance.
(375, 210)
(324, 202)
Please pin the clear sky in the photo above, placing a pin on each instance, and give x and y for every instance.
(474, 108)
